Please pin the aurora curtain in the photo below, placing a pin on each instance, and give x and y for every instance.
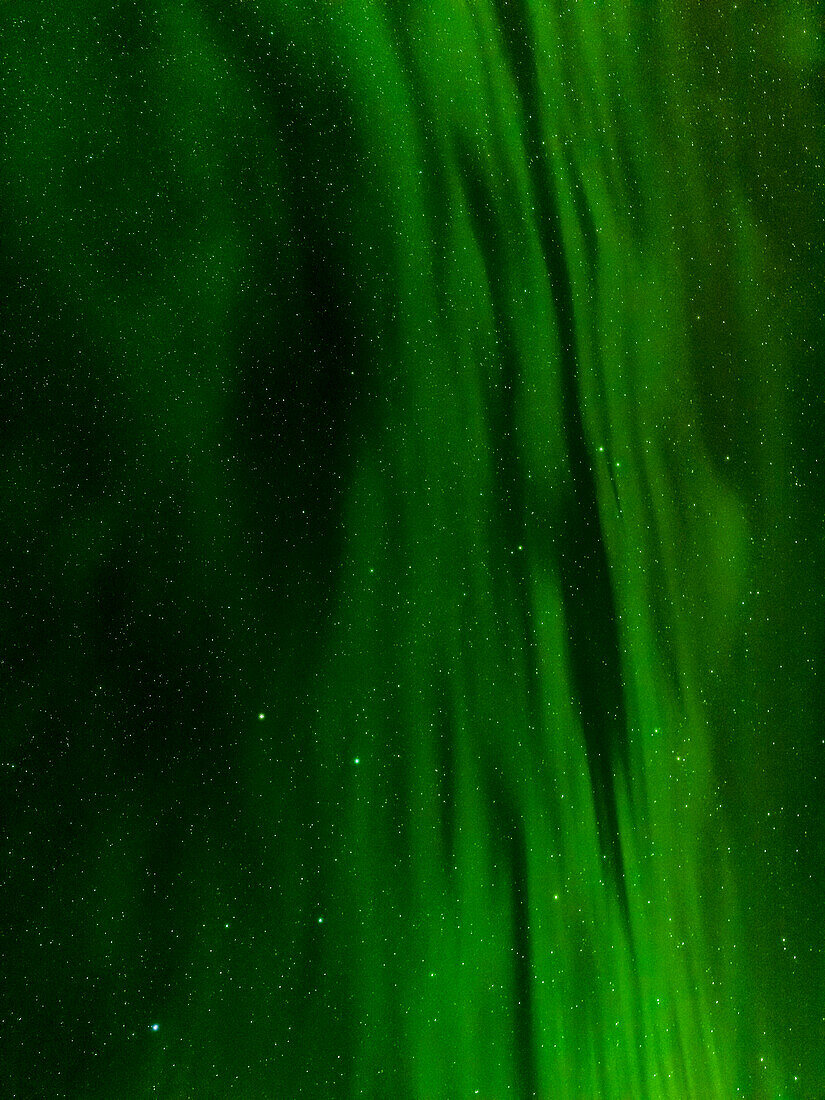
(412, 604)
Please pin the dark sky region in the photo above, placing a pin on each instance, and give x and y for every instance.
(411, 550)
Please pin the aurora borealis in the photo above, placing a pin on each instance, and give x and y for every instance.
(412, 549)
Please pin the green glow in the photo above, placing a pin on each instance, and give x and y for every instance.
(445, 378)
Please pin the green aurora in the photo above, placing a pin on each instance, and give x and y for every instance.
(413, 549)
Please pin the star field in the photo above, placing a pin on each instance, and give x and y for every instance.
(412, 550)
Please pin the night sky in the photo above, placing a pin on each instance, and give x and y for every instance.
(412, 550)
